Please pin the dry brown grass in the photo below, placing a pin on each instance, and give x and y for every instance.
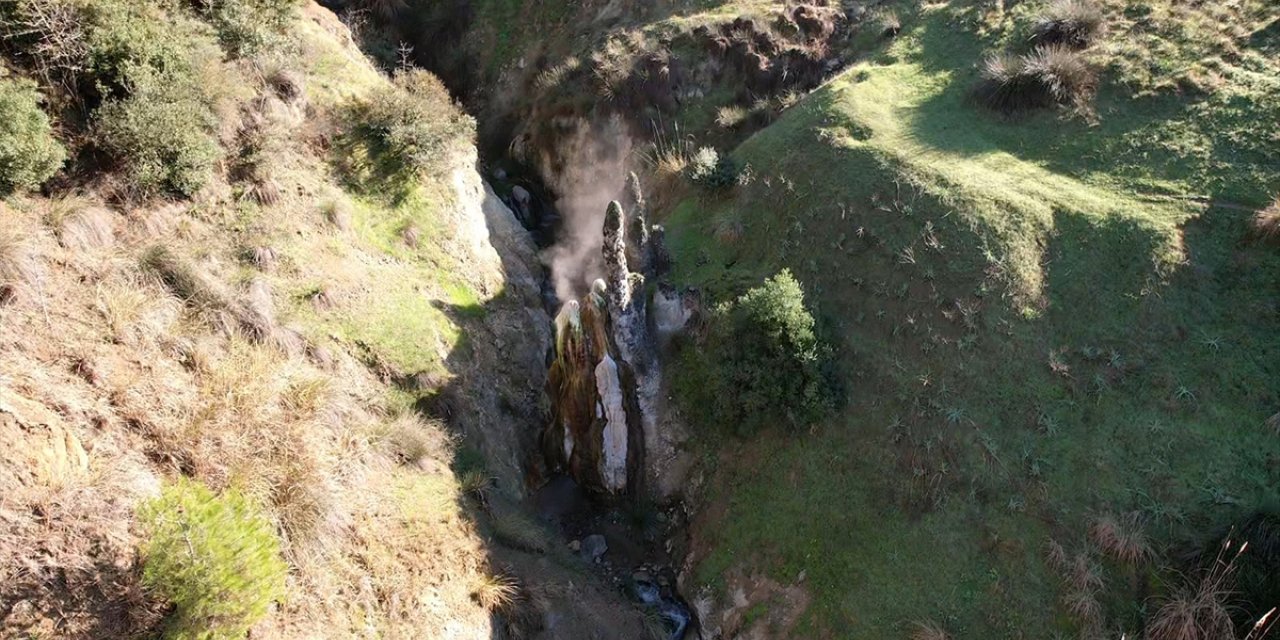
(338, 212)
(495, 592)
(1266, 224)
(1083, 574)
(410, 440)
(377, 540)
(1199, 609)
(728, 230)
(928, 630)
(21, 272)
(1123, 538)
(1056, 555)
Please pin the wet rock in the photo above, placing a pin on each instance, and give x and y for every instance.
(523, 204)
(670, 312)
(594, 547)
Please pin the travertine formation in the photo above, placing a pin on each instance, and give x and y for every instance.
(605, 382)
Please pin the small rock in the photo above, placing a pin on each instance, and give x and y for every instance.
(575, 546)
(594, 546)
(500, 174)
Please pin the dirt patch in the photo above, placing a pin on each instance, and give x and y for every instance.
(757, 608)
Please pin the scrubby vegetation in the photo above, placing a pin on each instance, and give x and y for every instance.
(215, 557)
(248, 26)
(765, 361)
(713, 171)
(29, 154)
(408, 129)
(162, 134)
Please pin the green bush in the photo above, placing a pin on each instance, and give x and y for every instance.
(29, 154)
(711, 170)
(247, 26)
(215, 557)
(410, 128)
(130, 42)
(162, 134)
(764, 361)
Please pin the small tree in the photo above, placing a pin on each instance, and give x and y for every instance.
(767, 361)
(215, 557)
(29, 154)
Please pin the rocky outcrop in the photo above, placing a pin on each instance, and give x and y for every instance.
(496, 397)
(613, 455)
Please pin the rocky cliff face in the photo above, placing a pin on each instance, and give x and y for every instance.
(497, 396)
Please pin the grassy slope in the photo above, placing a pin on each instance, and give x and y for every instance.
(956, 256)
(378, 534)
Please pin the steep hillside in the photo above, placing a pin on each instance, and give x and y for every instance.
(1049, 322)
(1037, 237)
(273, 352)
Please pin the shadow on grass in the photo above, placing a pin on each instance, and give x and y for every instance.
(1198, 140)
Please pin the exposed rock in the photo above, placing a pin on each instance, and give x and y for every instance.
(638, 249)
(594, 547)
(523, 201)
(613, 458)
(511, 340)
(671, 312)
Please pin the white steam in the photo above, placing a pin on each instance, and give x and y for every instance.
(594, 172)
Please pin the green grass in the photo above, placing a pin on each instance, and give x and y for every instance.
(953, 256)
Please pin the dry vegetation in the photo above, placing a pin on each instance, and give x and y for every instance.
(1199, 610)
(1122, 538)
(928, 630)
(146, 341)
(1266, 223)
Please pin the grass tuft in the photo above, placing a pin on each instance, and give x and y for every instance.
(1122, 538)
(1266, 223)
(1049, 75)
(495, 592)
(20, 271)
(928, 630)
(1072, 23)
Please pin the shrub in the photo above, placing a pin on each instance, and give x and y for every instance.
(1072, 23)
(410, 128)
(711, 170)
(1049, 75)
(29, 154)
(215, 557)
(766, 361)
(247, 26)
(131, 42)
(162, 134)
